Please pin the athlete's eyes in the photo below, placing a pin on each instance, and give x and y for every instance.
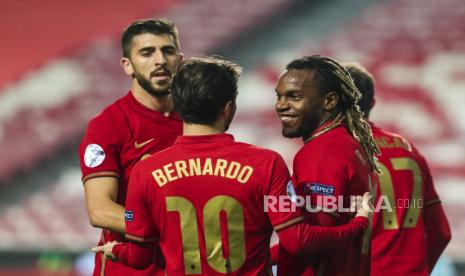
(294, 96)
(147, 51)
(169, 50)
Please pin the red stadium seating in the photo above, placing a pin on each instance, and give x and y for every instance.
(50, 106)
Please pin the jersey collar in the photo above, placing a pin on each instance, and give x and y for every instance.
(328, 126)
(140, 107)
(212, 138)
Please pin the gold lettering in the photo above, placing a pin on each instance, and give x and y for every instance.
(387, 142)
(181, 168)
(233, 170)
(245, 174)
(159, 177)
(221, 165)
(169, 171)
(379, 143)
(194, 167)
(208, 167)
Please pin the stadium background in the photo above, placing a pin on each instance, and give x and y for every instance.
(60, 66)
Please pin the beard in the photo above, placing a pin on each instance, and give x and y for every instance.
(303, 129)
(160, 91)
(291, 133)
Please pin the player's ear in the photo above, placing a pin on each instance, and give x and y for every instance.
(372, 104)
(228, 112)
(127, 66)
(230, 109)
(331, 101)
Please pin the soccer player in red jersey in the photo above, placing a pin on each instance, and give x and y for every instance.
(409, 238)
(135, 126)
(317, 100)
(209, 201)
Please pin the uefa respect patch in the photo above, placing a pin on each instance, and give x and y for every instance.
(128, 215)
(317, 188)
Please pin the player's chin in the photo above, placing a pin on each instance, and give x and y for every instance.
(289, 132)
(160, 92)
(161, 87)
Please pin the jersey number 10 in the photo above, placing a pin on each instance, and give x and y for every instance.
(212, 231)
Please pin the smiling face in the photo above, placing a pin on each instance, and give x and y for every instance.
(299, 104)
(152, 62)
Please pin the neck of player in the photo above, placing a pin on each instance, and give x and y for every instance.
(162, 104)
(198, 129)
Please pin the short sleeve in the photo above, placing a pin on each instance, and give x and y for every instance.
(140, 225)
(321, 178)
(99, 149)
(280, 198)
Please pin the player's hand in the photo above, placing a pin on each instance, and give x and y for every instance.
(106, 250)
(364, 207)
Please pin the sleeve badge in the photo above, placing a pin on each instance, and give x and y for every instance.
(94, 155)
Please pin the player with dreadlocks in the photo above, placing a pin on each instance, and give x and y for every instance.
(317, 100)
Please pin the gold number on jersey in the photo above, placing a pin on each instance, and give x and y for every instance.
(212, 229)
(190, 238)
(413, 213)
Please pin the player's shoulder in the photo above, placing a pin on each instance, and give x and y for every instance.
(335, 142)
(248, 150)
(378, 131)
(159, 158)
(389, 140)
(336, 149)
(111, 116)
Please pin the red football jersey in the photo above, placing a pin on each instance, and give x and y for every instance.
(333, 167)
(203, 198)
(399, 242)
(115, 140)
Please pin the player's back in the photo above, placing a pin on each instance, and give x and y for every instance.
(210, 192)
(398, 237)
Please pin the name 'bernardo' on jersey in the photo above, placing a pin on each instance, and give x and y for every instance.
(198, 167)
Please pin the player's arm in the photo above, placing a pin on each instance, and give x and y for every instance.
(438, 232)
(297, 235)
(437, 228)
(99, 159)
(141, 230)
(133, 254)
(302, 237)
(103, 211)
(321, 238)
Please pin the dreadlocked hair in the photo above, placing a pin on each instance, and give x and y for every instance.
(334, 77)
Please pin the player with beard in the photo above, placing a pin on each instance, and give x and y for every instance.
(132, 128)
(317, 100)
(202, 199)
